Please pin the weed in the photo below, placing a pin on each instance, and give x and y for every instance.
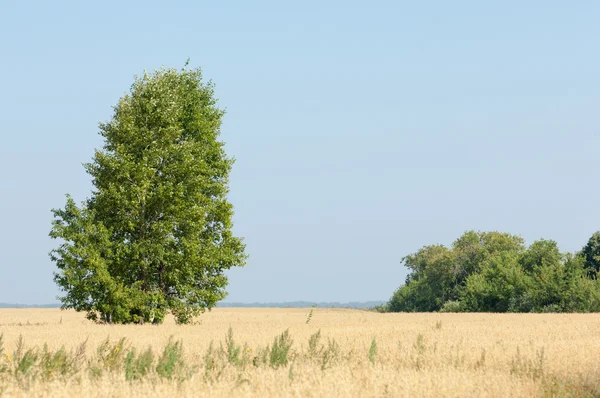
(420, 348)
(480, 363)
(171, 362)
(60, 363)
(262, 356)
(582, 386)
(525, 367)
(24, 361)
(280, 350)
(313, 344)
(241, 381)
(419, 345)
(109, 356)
(459, 360)
(330, 354)
(373, 351)
(210, 361)
(138, 366)
(3, 357)
(236, 355)
(310, 314)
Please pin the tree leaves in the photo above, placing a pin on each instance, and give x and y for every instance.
(494, 272)
(155, 235)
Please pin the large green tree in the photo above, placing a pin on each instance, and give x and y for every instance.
(591, 254)
(155, 235)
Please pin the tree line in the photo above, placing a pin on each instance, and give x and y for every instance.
(497, 272)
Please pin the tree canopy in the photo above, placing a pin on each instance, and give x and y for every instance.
(156, 233)
(591, 254)
(495, 272)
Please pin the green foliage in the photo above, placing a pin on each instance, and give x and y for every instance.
(452, 306)
(313, 344)
(279, 355)
(327, 355)
(330, 354)
(3, 356)
(434, 278)
(212, 364)
(491, 289)
(414, 296)
(137, 366)
(262, 357)
(310, 314)
(419, 348)
(61, 363)
(236, 354)
(380, 308)
(439, 273)
(171, 362)
(109, 357)
(373, 351)
(27, 365)
(155, 235)
(419, 345)
(494, 272)
(34, 366)
(114, 360)
(591, 254)
(540, 253)
(24, 361)
(229, 353)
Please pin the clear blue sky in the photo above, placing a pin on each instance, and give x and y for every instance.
(362, 130)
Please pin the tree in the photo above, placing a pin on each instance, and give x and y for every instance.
(439, 274)
(155, 235)
(500, 282)
(473, 248)
(493, 271)
(541, 253)
(591, 254)
(431, 282)
(582, 293)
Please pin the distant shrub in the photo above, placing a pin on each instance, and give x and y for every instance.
(496, 272)
(452, 306)
(551, 309)
(381, 308)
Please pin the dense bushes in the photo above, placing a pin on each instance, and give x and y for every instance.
(495, 272)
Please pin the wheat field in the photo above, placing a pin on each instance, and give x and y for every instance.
(358, 354)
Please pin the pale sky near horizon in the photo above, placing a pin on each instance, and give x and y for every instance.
(362, 130)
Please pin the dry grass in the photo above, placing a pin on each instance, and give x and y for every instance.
(372, 354)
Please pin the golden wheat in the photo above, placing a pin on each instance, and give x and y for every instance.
(479, 355)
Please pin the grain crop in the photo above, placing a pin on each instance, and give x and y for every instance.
(247, 352)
